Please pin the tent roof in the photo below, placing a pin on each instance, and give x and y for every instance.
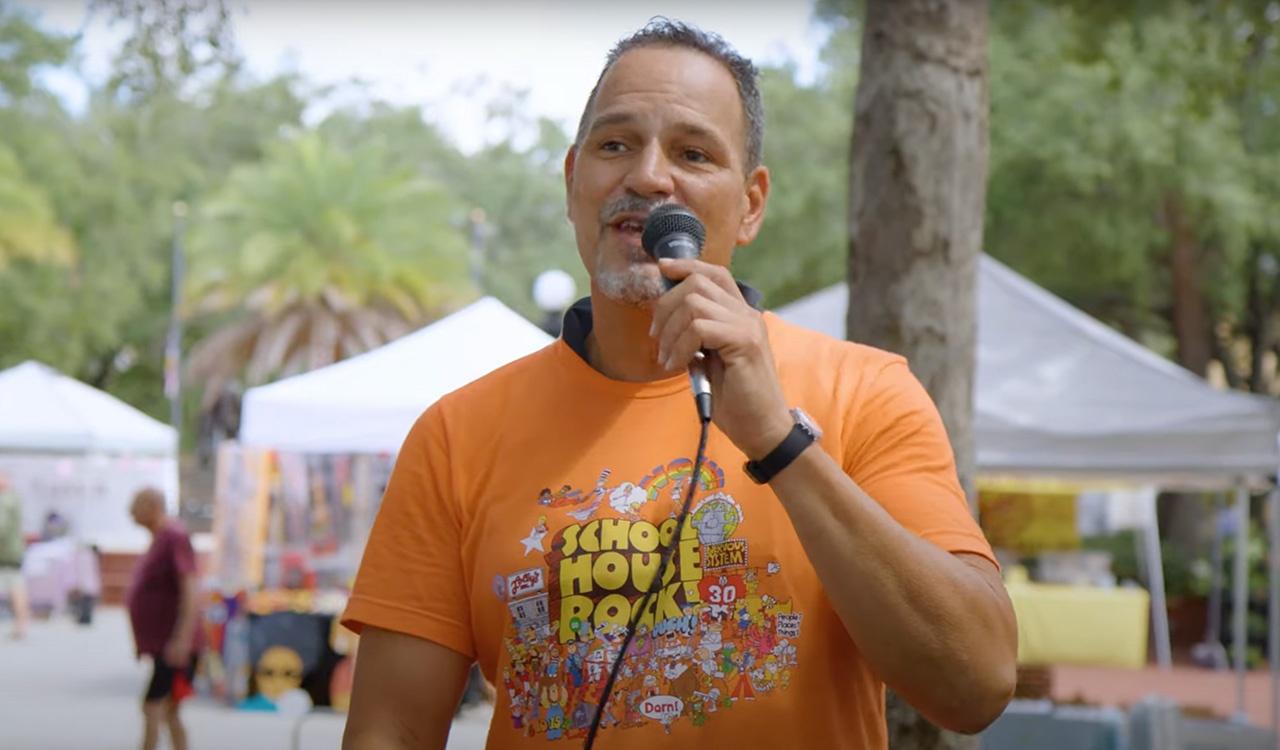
(43, 410)
(1059, 393)
(367, 403)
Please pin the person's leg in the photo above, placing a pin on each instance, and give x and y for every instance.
(155, 704)
(153, 717)
(21, 607)
(177, 733)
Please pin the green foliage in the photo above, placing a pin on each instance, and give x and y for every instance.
(1102, 120)
(315, 253)
(311, 219)
(171, 44)
(802, 244)
(28, 228)
(23, 50)
(510, 197)
(1101, 113)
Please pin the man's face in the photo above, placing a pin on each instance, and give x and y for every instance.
(667, 126)
(143, 512)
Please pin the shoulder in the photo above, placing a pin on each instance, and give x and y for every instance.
(174, 532)
(826, 362)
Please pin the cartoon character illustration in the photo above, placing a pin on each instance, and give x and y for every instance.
(577, 657)
(717, 640)
(534, 540)
(554, 699)
(565, 496)
(742, 689)
(682, 682)
(584, 513)
(627, 498)
(582, 715)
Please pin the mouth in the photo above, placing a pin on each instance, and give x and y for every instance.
(629, 225)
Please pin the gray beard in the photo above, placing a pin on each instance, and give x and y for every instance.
(633, 285)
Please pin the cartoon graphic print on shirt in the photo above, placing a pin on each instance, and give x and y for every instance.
(715, 634)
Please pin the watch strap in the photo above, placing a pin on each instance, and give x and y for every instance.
(764, 470)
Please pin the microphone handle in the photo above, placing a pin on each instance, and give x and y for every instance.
(680, 245)
(701, 386)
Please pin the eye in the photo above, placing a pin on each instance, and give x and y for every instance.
(613, 146)
(696, 156)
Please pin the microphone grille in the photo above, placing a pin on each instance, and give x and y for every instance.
(670, 218)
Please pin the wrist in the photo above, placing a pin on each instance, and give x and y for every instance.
(770, 434)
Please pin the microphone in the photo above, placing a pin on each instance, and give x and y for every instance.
(672, 231)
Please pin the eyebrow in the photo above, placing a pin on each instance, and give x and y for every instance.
(626, 118)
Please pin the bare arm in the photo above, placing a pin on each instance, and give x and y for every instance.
(937, 627)
(405, 692)
(178, 650)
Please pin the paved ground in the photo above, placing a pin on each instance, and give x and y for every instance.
(73, 688)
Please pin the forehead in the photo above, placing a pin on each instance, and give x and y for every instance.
(680, 81)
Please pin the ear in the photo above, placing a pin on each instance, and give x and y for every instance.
(570, 158)
(754, 197)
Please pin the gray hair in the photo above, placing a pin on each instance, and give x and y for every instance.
(666, 32)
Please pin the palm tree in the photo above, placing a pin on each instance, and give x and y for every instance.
(316, 254)
(29, 230)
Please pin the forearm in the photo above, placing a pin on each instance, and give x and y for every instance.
(934, 628)
(184, 626)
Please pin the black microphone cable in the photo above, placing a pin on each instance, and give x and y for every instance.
(655, 585)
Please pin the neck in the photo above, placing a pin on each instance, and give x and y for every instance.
(619, 345)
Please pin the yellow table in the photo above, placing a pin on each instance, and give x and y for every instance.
(1081, 625)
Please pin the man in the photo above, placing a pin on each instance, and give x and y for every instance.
(162, 601)
(795, 592)
(12, 549)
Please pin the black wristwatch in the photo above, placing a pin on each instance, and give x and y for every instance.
(802, 435)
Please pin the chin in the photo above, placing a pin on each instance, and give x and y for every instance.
(632, 287)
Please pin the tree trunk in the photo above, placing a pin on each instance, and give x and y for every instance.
(917, 185)
(1191, 327)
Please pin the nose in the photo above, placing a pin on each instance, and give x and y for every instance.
(650, 174)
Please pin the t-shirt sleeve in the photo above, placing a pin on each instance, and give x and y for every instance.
(183, 554)
(411, 578)
(899, 454)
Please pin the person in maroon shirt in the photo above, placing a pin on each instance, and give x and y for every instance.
(162, 609)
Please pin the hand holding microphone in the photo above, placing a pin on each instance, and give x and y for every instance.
(704, 323)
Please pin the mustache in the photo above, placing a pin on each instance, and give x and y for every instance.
(627, 204)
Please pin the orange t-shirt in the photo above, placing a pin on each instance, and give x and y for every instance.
(526, 511)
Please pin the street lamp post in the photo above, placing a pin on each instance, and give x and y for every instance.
(553, 292)
(478, 235)
(173, 340)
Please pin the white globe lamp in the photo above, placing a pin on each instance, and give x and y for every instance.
(553, 292)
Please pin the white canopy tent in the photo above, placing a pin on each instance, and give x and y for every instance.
(366, 404)
(1058, 394)
(70, 448)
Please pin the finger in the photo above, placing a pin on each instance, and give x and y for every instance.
(698, 284)
(678, 269)
(703, 333)
(689, 308)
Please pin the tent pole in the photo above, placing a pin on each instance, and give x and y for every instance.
(1155, 581)
(1239, 598)
(1273, 606)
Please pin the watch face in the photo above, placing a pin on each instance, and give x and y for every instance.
(804, 420)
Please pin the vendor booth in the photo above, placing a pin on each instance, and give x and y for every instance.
(71, 449)
(76, 456)
(296, 496)
(1062, 397)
